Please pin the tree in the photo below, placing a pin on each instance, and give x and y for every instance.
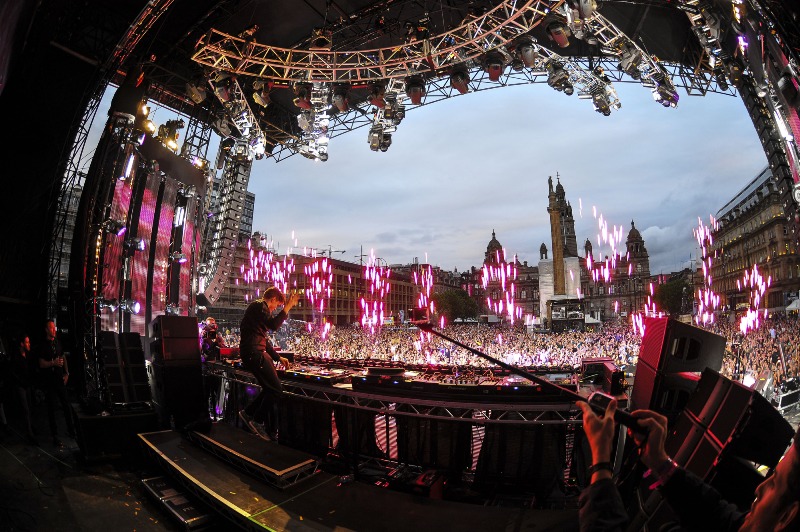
(455, 303)
(669, 296)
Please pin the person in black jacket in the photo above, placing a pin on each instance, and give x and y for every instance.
(53, 378)
(258, 356)
(20, 379)
(698, 505)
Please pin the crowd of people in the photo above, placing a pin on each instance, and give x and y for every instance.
(773, 346)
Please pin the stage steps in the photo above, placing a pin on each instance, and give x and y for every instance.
(275, 464)
(323, 501)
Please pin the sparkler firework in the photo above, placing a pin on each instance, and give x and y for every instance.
(504, 273)
(707, 300)
(376, 289)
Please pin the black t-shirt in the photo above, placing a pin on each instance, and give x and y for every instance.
(49, 350)
(255, 328)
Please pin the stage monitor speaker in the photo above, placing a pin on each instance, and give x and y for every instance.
(670, 346)
(666, 394)
(112, 436)
(593, 368)
(671, 352)
(739, 418)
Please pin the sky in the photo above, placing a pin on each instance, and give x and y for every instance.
(466, 166)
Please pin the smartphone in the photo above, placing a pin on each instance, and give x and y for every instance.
(599, 402)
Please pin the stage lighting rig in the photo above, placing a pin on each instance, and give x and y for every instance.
(387, 118)
(314, 122)
(114, 227)
(196, 91)
(340, 97)
(601, 101)
(415, 89)
(238, 115)
(664, 91)
(630, 57)
(178, 257)
(168, 133)
(302, 92)
(525, 51)
(261, 90)
(459, 80)
(558, 32)
(130, 306)
(135, 244)
(494, 63)
(110, 304)
(558, 78)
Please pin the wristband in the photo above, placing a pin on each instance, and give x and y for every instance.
(663, 472)
(601, 466)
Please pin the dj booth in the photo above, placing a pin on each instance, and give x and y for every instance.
(498, 429)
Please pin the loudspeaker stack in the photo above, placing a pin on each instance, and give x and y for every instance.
(177, 377)
(671, 357)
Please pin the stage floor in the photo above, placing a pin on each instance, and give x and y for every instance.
(49, 488)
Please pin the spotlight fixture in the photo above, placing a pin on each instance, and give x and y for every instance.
(719, 75)
(558, 78)
(459, 80)
(525, 51)
(178, 257)
(168, 133)
(110, 304)
(302, 93)
(377, 92)
(600, 101)
(629, 60)
(415, 89)
(135, 244)
(340, 97)
(196, 92)
(115, 226)
(494, 62)
(130, 306)
(130, 162)
(558, 33)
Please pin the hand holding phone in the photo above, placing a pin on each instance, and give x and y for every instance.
(599, 402)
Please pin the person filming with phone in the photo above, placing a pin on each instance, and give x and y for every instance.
(698, 505)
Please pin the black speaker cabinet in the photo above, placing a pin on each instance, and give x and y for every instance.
(178, 394)
(670, 354)
(112, 436)
(175, 351)
(165, 326)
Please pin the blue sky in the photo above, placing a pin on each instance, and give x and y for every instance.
(468, 165)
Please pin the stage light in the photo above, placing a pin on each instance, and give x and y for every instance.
(168, 133)
(199, 162)
(135, 244)
(600, 101)
(719, 75)
(629, 60)
(128, 168)
(262, 98)
(377, 92)
(196, 92)
(340, 97)
(115, 227)
(526, 51)
(459, 80)
(415, 89)
(558, 78)
(494, 64)
(110, 304)
(302, 93)
(664, 91)
(130, 306)
(178, 257)
(558, 33)
(375, 137)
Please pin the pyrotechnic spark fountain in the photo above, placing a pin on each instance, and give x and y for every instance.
(319, 276)
(376, 289)
(265, 268)
(504, 273)
(707, 300)
(754, 281)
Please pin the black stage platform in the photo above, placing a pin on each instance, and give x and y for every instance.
(321, 501)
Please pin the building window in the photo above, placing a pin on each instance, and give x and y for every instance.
(523, 294)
